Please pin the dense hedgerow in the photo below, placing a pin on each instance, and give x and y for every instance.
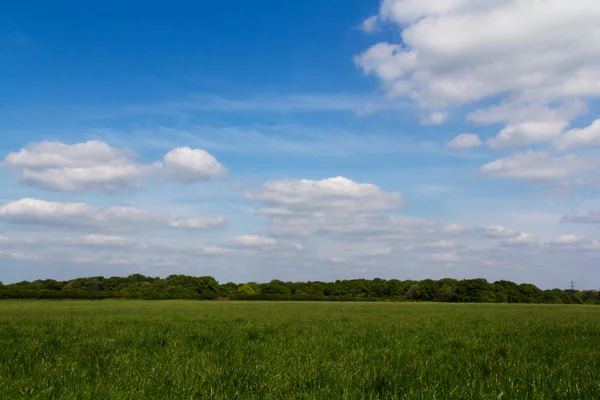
(207, 288)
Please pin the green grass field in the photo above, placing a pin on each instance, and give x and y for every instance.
(124, 349)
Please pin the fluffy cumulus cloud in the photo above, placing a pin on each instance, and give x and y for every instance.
(87, 217)
(94, 165)
(534, 62)
(337, 194)
(464, 141)
(334, 206)
(343, 210)
(573, 243)
(522, 239)
(90, 165)
(188, 165)
(584, 137)
(528, 123)
(526, 133)
(454, 52)
(497, 231)
(541, 166)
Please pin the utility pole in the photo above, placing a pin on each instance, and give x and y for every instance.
(572, 285)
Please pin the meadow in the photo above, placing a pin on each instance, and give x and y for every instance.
(131, 349)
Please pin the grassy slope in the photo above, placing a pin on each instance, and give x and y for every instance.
(182, 349)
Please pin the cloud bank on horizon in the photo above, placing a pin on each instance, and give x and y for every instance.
(469, 148)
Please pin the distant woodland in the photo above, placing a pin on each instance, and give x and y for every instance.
(207, 288)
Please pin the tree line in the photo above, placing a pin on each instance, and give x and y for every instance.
(206, 287)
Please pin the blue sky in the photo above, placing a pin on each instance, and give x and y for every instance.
(308, 141)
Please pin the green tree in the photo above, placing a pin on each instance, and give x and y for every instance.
(202, 284)
(445, 293)
(228, 288)
(276, 287)
(246, 290)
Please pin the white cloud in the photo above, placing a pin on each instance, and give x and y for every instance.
(573, 243)
(215, 250)
(435, 118)
(526, 133)
(85, 216)
(463, 50)
(197, 223)
(300, 247)
(162, 249)
(464, 141)
(523, 239)
(189, 165)
(584, 137)
(457, 229)
(521, 54)
(370, 24)
(497, 231)
(92, 165)
(358, 235)
(568, 240)
(341, 207)
(539, 166)
(360, 225)
(340, 194)
(252, 241)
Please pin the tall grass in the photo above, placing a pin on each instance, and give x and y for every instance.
(132, 349)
